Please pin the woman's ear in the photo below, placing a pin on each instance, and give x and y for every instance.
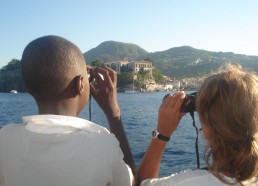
(79, 85)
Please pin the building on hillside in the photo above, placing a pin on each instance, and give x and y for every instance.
(183, 84)
(141, 65)
(117, 65)
(136, 66)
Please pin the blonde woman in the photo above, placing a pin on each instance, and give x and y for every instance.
(227, 105)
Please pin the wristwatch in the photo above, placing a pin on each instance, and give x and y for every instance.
(156, 134)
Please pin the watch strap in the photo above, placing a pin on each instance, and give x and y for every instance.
(156, 134)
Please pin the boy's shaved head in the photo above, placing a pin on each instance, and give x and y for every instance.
(49, 64)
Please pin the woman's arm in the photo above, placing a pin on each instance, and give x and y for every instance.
(168, 120)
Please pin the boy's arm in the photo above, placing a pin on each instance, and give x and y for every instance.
(116, 127)
(105, 94)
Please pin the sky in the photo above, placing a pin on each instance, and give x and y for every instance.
(213, 25)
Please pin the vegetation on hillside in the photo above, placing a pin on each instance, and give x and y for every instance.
(178, 62)
(14, 64)
(114, 51)
(96, 63)
(10, 77)
(158, 76)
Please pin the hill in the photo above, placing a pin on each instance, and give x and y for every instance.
(186, 61)
(175, 62)
(114, 51)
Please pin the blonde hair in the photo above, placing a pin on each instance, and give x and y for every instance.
(227, 104)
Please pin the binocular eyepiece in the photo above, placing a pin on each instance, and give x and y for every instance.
(90, 77)
(189, 104)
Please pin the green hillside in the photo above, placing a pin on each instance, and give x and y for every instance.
(186, 61)
(177, 62)
(114, 51)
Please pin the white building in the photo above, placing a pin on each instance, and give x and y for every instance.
(117, 65)
(136, 66)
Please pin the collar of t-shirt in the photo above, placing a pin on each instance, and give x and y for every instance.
(52, 124)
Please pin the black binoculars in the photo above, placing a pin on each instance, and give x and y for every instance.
(189, 104)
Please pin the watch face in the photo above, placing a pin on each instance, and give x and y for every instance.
(154, 133)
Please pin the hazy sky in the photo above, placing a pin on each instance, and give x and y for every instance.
(213, 25)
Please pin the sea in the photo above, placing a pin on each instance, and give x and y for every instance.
(139, 114)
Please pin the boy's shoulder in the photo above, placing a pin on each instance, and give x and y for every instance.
(9, 127)
(8, 131)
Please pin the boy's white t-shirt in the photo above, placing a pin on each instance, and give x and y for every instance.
(48, 150)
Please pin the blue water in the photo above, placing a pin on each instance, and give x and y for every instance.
(139, 115)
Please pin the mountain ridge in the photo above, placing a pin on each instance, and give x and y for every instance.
(178, 62)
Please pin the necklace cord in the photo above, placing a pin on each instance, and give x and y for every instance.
(90, 107)
(196, 141)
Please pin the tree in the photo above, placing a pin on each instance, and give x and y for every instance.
(125, 78)
(125, 68)
(11, 77)
(142, 77)
(157, 75)
(148, 59)
(14, 64)
(97, 63)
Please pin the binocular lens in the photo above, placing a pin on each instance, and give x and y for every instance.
(188, 104)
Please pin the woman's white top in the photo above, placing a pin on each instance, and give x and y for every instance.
(197, 177)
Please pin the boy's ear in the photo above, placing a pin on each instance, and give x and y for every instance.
(79, 85)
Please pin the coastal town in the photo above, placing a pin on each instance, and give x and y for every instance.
(141, 77)
(149, 84)
(179, 68)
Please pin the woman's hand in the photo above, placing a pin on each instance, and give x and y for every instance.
(169, 113)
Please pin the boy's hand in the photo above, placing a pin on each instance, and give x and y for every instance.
(104, 91)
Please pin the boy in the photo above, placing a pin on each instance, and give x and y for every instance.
(55, 147)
